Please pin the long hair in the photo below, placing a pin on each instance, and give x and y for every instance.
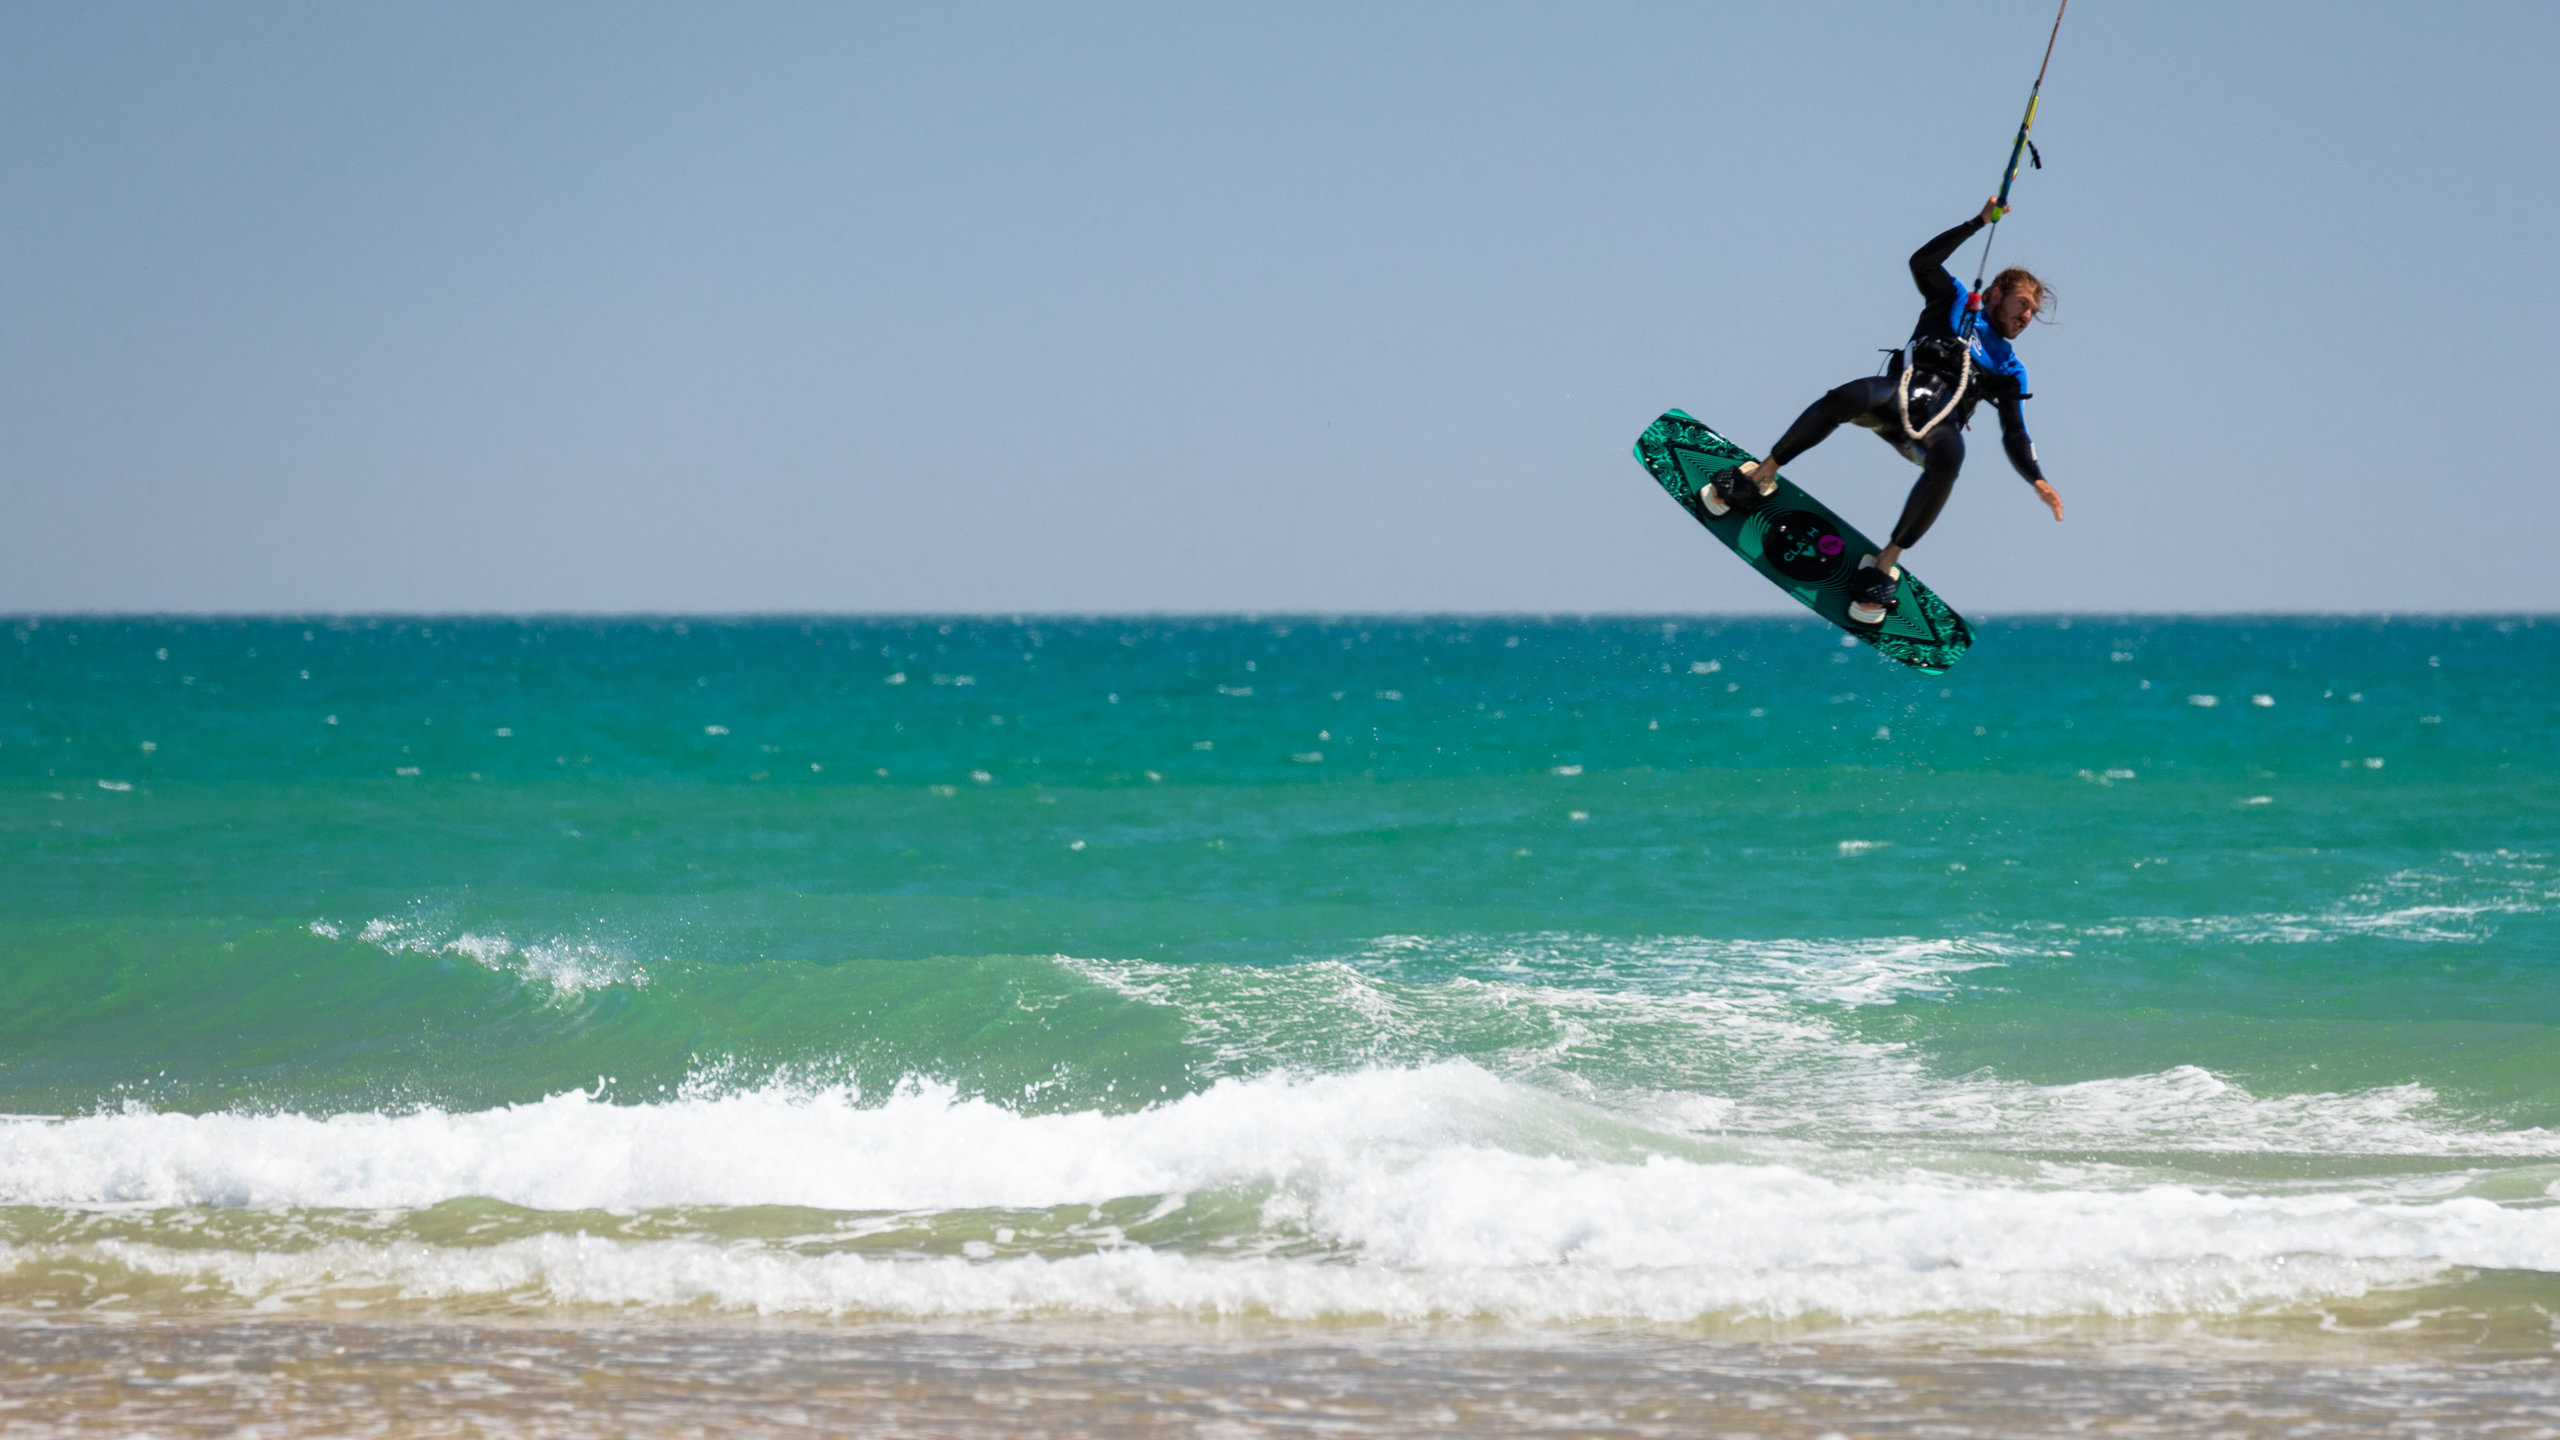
(2017, 276)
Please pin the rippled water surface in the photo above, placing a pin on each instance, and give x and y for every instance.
(1342, 1004)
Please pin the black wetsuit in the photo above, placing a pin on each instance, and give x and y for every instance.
(1874, 401)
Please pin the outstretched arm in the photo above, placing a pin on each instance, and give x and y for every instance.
(2022, 450)
(1929, 262)
(2013, 434)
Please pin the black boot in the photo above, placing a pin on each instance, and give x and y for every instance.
(1730, 492)
(1872, 592)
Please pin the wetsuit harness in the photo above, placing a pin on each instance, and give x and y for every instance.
(1922, 402)
(1968, 363)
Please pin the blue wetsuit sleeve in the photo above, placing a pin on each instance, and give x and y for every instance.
(2013, 436)
(1929, 263)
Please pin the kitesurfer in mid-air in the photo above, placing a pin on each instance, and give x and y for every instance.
(1956, 358)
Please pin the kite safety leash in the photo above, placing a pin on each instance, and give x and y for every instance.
(2022, 147)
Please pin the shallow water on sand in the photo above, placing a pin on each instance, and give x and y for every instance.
(651, 1379)
(1429, 1008)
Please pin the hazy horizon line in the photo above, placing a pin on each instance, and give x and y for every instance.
(21, 617)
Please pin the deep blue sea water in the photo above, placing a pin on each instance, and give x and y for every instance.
(1512, 971)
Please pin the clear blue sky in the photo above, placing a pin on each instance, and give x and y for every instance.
(623, 306)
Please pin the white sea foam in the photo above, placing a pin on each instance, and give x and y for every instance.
(2457, 900)
(2182, 1110)
(590, 1270)
(1691, 1016)
(1648, 1129)
(570, 966)
(1441, 1191)
(1741, 1040)
(922, 1148)
(1836, 972)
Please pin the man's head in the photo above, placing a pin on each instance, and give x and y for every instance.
(2016, 296)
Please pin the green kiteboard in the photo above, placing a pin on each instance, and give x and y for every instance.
(1802, 547)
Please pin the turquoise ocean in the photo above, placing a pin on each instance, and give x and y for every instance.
(1714, 980)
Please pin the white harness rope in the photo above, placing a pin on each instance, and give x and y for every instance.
(1902, 391)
